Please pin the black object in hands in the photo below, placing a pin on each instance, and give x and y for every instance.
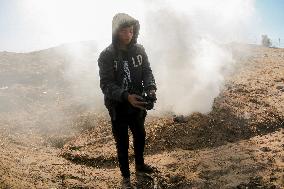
(150, 98)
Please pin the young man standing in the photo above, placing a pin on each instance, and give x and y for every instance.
(125, 75)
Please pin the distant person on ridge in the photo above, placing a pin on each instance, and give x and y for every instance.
(129, 89)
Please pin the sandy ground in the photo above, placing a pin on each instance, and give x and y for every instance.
(239, 144)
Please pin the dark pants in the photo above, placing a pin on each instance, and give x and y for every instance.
(120, 125)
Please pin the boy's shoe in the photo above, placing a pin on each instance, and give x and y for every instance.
(126, 183)
(145, 169)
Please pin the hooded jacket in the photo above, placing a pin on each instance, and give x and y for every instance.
(111, 65)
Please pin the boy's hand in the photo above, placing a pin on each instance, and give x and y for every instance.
(137, 101)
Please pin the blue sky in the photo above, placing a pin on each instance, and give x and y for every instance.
(9, 23)
(271, 14)
(19, 34)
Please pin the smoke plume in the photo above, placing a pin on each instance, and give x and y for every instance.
(186, 42)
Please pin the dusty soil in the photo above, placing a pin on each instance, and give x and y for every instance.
(239, 144)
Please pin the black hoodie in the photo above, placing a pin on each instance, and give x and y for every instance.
(111, 66)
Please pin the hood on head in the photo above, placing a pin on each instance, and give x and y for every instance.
(120, 20)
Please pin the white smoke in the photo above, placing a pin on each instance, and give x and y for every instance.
(185, 41)
(186, 44)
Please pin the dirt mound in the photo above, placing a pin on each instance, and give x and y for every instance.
(57, 142)
(249, 105)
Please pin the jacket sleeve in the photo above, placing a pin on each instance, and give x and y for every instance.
(107, 80)
(148, 77)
